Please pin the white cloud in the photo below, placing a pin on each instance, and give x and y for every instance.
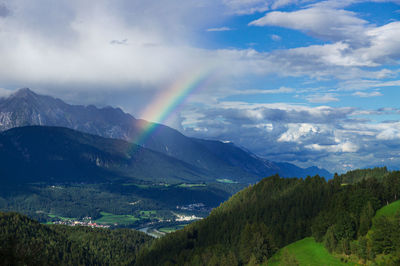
(324, 136)
(73, 44)
(322, 98)
(341, 147)
(389, 131)
(267, 91)
(5, 93)
(367, 94)
(297, 132)
(247, 6)
(327, 24)
(242, 7)
(219, 29)
(282, 3)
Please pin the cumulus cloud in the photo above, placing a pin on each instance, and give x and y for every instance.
(353, 43)
(298, 132)
(326, 136)
(322, 23)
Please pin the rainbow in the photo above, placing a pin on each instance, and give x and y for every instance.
(170, 100)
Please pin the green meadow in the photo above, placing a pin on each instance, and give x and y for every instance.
(305, 252)
(109, 218)
(388, 210)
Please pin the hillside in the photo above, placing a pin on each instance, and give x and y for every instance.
(305, 252)
(225, 160)
(37, 153)
(256, 222)
(253, 224)
(358, 175)
(389, 210)
(384, 231)
(26, 242)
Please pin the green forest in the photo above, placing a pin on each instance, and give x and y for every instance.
(24, 241)
(350, 220)
(259, 220)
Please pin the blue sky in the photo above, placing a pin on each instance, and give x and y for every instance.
(302, 81)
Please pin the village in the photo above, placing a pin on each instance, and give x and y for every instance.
(86, 221)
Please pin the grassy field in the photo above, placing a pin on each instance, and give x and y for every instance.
(388, 210)
(171, 229)
(306, 252)
(109, 218)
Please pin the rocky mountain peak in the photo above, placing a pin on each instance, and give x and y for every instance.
(23, 93)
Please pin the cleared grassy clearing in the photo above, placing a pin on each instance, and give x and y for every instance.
(305, 252)
(388, 210)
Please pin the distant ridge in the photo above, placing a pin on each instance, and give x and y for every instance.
(57, 154)
(225, 160)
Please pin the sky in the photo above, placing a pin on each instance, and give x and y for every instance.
(314, 83)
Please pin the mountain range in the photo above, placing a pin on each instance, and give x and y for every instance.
(216, 158)
(57, 154)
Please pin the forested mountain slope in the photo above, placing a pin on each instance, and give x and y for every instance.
(26, 242)
(380, 246)
(38, 153)
(259, 220)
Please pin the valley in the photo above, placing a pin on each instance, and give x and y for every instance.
(126, 205)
